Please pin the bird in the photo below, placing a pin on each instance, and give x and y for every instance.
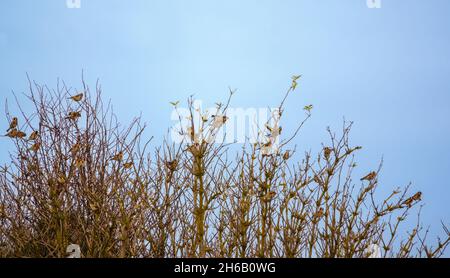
(20, 134)
(33, 136)
(128, 165)
(326, 152)
(172, 165)
(74, 251)
(77, 97)
(372, 175)
(35, 147)
(118, 156)
(415, 197)
(12, 133)
(373, 251)
(319, 213)
(73, 115)
(13, 124)
(286, 155)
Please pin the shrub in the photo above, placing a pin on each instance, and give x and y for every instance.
(82, 178)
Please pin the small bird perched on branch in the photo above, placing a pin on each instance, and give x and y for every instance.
(327, 152)
(20, 134)
(73, 115)
(369, 177)
(13, 124)
(12, 133)
(128, 165)
(318, 214)
(77, 97)
(172, 165)
(118, 156)
(286, 155)
(33, 136)
(413, 198)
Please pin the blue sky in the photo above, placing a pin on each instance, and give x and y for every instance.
(385, 69)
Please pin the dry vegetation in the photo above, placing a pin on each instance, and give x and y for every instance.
(82, 178)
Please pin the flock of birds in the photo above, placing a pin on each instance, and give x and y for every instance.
(14, 132)
(74, 250)
(408, 202)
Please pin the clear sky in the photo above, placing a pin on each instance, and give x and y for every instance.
(386, 69)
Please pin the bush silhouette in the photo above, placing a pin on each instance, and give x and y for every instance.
(82, 178)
